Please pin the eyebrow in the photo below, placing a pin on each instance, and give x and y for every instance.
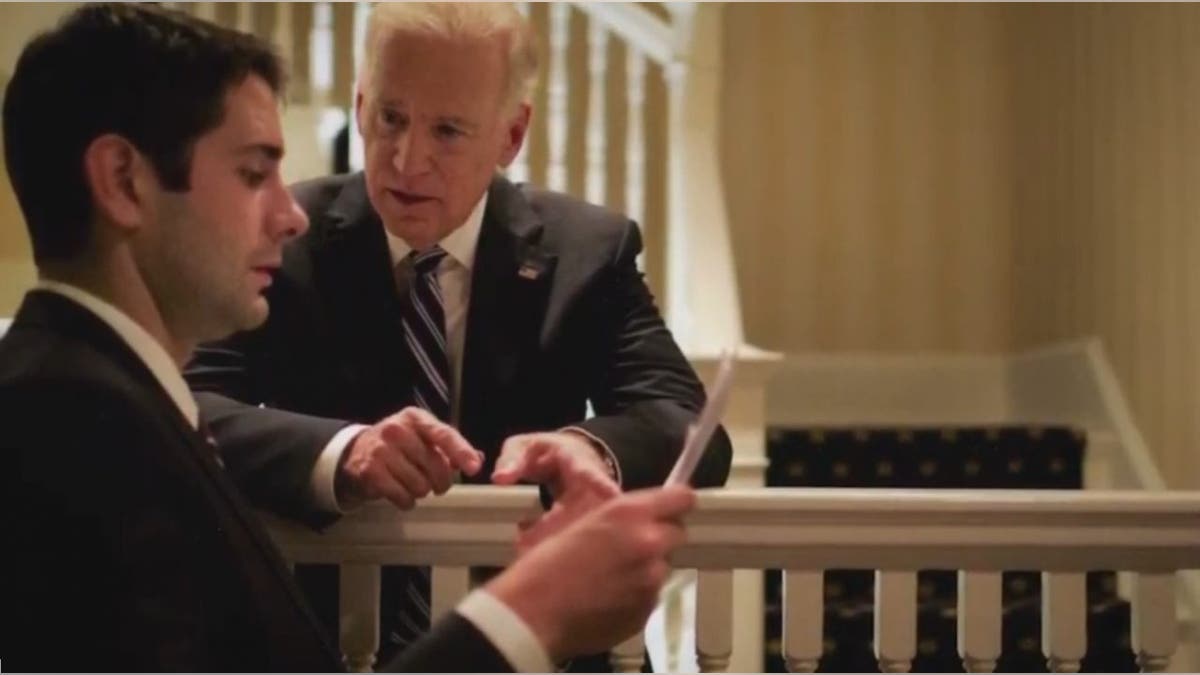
(271, 152)
(459, 121)
(452, 119)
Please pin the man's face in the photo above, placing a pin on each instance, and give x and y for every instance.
(215, 246)
(435, 128)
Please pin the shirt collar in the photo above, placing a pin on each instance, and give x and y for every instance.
(459, 244)
(151, 353)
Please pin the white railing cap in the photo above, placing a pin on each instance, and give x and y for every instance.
(802, 528)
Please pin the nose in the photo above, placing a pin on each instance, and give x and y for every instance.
(287, 220)
(412, 154)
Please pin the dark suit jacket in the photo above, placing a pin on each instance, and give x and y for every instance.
(536, 350)
(127, 547)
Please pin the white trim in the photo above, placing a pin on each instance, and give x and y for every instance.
(636, 25)
(802, 528)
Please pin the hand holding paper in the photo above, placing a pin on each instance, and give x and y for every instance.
(701, 431)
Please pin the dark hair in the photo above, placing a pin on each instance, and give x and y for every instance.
(154, 76)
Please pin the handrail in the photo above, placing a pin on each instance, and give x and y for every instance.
(810, 528)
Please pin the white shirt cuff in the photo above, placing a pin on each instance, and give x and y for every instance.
(506, 631)
(608, 453)
(325, 471)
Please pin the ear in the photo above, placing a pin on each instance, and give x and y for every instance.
(358, 111)
(120, 180)
(515, 130)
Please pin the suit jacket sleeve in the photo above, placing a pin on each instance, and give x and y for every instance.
(454, 645)
(269, 453)
(645, 392)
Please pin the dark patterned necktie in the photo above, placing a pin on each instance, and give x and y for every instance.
(424, 321)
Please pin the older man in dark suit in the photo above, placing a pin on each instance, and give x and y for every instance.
(430, 281)
(144, 149)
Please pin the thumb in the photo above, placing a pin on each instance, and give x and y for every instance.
(517, 456)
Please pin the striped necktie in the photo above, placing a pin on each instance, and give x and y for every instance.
(406, 589)
(424, 321)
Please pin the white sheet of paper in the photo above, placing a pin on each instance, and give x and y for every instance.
(701, 431)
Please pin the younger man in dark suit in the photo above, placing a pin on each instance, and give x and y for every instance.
(144, 149)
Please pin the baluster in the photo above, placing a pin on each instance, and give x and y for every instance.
(714, 620)
(447, 586)
(628, 656)
(283, 34)
(596, 178)
(895, 620)
(1155, 633)
(358, 626)
(344, 49)
(1064, 620)
(803, 615)
(300, 66)
(245, 17)
(979, 617)
(635, 138)
(556, 94)
(320, 53)
(204, 10)
(518, 171)
(362, 15)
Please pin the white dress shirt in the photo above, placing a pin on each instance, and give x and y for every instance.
(506, 631)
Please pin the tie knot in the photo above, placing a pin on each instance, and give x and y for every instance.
(426, 262)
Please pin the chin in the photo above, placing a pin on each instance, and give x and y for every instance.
(412, 229)
(250, 315)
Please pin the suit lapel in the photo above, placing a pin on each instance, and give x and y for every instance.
(510, 285)
(353, 271)
(64, 317)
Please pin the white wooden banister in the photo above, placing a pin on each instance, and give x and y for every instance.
(895, 620)
(358, 611)
(803, 599)
(1063, 533)
(595, 176)
(979, 615)
(556, 96)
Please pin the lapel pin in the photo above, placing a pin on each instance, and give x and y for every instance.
(529, 272)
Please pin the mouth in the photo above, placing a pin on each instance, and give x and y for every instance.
(264, 273)
(410, 198)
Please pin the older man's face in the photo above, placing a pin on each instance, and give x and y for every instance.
(435, 128)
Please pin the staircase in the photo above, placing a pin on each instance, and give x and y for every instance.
(1013, 458)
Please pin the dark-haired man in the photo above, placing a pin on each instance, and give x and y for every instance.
(144, 149)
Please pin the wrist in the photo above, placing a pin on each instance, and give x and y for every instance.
(599, 448)
(345, 488)
(529, 603)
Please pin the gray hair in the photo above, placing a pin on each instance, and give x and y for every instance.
(470, 20)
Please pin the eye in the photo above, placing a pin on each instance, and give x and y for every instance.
(390, 117)
(251, 177)
(448, 132)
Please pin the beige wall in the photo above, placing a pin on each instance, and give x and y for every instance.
(974, 178)
(1107, 198)
(865, 157)
(18, 21)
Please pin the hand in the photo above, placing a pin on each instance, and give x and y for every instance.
(594, 583)
(403, 458)
(544, 457)
(582, 489)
